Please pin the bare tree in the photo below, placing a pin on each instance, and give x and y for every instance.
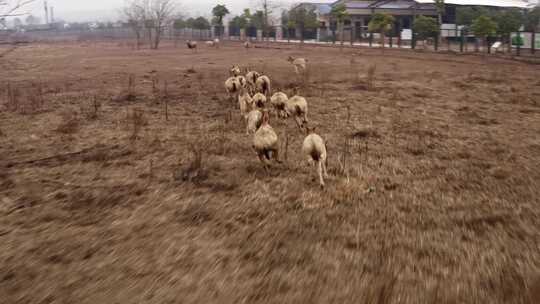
(135, 15)
(151, 16)
(13, 8)
(267, 9)
(161, 12)
(135, 21)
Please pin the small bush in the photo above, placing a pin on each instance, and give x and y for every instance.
(129, 94)
(13, 96)
(137, 120)
(192, 170)
(91, 112)
(70, 123)
(371, 77)
(200, 79)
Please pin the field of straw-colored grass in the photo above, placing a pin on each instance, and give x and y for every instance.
(127, 177)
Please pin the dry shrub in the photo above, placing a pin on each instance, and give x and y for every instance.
(161, 94)
(28, 103)
(344, 155)
(6, 181)
(192, 170)
(285, 146)
(136, 121)
(355, 72)
(129, 93)
(165, 98)
(35, 99)
(364, 132)
(155, 85)
(371, 77)
(12, 96)
(131, 87)
(224, 185)
(200, 79)
(194, 213)
(324, 78)
(32, 104)
(90, 206)
(92, 110)
(222, 144)
(39, 93)
(463, 84)
(70, 122)
(422, 93)
(419, 144)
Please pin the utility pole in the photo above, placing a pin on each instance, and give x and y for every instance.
(265, 25)
(267, 7)
(46, 12)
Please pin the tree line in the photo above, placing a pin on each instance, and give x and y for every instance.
(148, 18)
(483, 22)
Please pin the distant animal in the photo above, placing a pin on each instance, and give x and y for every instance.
(213, 43)
(314, 149)
(232, 86)
(298, 63)
(253, 121)
(263, 85)
(297, 107)
(265, 142)
(247, 45)
(235, 71)
(278, 101)
(192, 45)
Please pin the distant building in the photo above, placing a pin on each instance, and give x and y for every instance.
(361, 11)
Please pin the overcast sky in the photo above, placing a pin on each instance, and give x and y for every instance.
(89, 10)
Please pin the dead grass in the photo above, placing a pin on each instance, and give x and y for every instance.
(129, 93)
(70, 122)
(192, 170)
(25, 98)
(432, 196)
(92, 108)
(370, 78)
(136, 120)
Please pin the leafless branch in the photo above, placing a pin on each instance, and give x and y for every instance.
(149, 15)
(10, 9)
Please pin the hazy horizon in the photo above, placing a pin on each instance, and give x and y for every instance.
(107, 10)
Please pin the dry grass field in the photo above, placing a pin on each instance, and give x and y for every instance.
(127, 177)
